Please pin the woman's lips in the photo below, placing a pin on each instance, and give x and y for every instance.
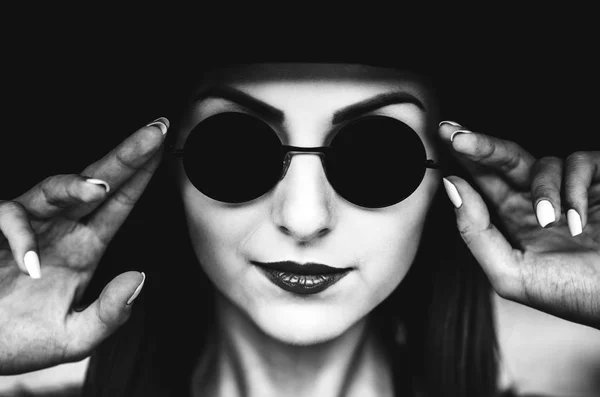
(310, 278)
(297, 268)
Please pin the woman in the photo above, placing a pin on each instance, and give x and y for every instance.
(366, 323)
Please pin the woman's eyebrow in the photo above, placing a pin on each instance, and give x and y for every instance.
(241, 98)
(373, 103)
(278, 116)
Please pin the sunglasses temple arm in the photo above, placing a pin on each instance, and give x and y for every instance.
(442, 167)
(432, 164)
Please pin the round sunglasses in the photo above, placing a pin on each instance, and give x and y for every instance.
(372, 162)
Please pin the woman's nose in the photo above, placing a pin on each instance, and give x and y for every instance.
(303, 199)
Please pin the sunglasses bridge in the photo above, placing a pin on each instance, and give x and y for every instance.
(293, 150)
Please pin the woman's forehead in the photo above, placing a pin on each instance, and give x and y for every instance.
(314, 72)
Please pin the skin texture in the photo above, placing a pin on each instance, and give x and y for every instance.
(303, 219)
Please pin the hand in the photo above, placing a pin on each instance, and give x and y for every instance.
(39, 326)
(549, 255)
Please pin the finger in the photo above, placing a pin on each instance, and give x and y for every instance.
(126, 159)
(111, 215)
(506, 157)
(545, 189)
(56, 193)
(581, 169)
(520, 277)
(496, 165)
(496, 188)
(105, 315)
(487, 244)
(15, 226)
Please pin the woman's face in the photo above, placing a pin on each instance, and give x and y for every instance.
(302, 219)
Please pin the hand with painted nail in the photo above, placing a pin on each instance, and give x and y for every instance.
(545, 252)
(48, 256)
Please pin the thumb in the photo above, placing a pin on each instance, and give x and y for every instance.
(487, 244)
(105, 315)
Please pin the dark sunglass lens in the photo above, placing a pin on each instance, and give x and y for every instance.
(233, 157)
(376, 161)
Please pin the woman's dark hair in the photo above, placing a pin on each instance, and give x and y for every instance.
(437, 324)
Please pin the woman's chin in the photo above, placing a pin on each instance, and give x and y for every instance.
(305, 328)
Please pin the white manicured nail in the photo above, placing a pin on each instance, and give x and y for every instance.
(161, 123)
(545, 213)
(99, 182)
(452, 123)
(32, 264)
(137, 290)
(574, 222)
(458, 132)
(452, 193)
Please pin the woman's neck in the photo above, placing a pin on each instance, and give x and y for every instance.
(244, 361)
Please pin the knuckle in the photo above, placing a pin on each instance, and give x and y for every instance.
(542, 190)
(77, 191)
(503, 288)
(124, 198)
(504, 155)
(54, 201)
(510, 163)
(550, 159)
(123, 158)
(48, 187)
(465, 234)
(49, 182)
(548, 162)
(12, 206)
(547, 173)
(147, 169)
(509, 281)
(62, 196)
(485, 150)
(469, 232)
(578, 172)
(577, 158)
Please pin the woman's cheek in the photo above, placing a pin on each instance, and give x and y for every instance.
(398, 249)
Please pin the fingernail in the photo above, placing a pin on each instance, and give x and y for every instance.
(545, 213)
(574, 222)
(99, 182)
(161, 123)
(32, 264)
(452, 123)
(458, 132)
(137, 290)
(452, 193)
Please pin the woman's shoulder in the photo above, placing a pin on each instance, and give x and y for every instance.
(65, 380)
(543, 355)
(64, 391)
